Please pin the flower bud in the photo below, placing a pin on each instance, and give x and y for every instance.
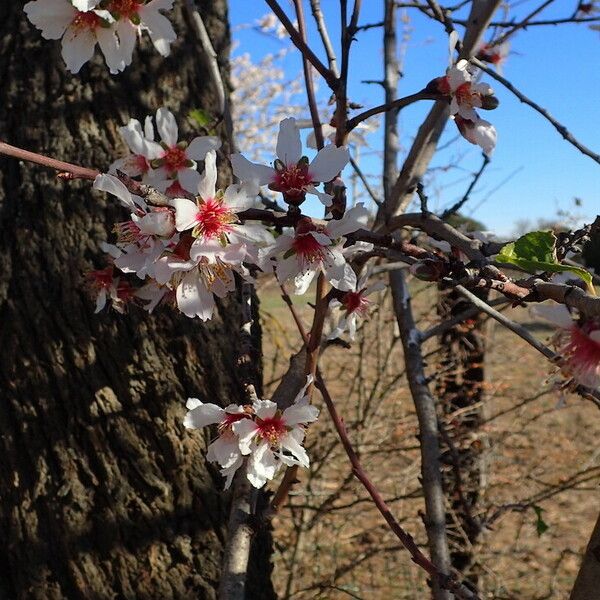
(160, 222)
(428, 269)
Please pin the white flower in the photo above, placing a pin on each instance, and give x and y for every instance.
(292, 174)
(479, 132)
(578, 342)
(495, 54)
(135, 164)
(353, 304)
(311, 249)
(213, 216)
(225, 449)
(80, 31)
(273, 438)
(172, 159)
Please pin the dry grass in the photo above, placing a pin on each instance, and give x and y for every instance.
(331, 542)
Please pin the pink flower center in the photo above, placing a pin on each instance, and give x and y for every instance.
(174, 159)
(128, 232)
(213, 219)
(305, 245)
(583, 355)
(101, 279)
(86, 20)
(355, 302)
(465, 95)
(293, 180)
(271, 429)
(124, 8)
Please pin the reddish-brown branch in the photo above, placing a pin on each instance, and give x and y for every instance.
(74, 171)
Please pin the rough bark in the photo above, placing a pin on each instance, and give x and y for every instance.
(103, 494)
(460, 389)
(587, 582)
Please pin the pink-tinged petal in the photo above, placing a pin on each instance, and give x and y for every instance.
(289, 146)
(458, 75)
(557, 314)
(328, 163)
(479, 132)
(186, 213)
(166, 266)
(159, 27)
(338, 272)
(77, 47)
(127, 34)
(203, 415)
(467, 112)
(158, 222)
(240, 197)
(193, 299)
(201, 145)
(85, 5)
(167, 126)
(189, 179)
(321, 238)
(249, 171)
(154, 150)
(113, 53)
(230, 471)
(224, 450)
(301, 412)
(287, 268)
(303, 280)
(324, 198)
(355, 218)
(262, 466)
(206, 187)
(288, 442)
(52, 17)
(110, 184)
(264, 409)
(246, 430)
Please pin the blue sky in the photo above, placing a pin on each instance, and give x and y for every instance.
(534, 172)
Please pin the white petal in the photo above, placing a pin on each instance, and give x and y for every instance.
(189, 179)
(249, 171)
(355, 218)
(240, 197)
(262, 466)
(245, 429)
(85, 5)
(201, 145)
(192, 403)
(290, 443)
(303, 280)
(301, 412)
(208, 182)
(264, 409)
(52, 17)
(186, 213)
(112, 185)
(230, 471)
(289, 146)
(325, 199)
(193, 299)
(127, 34)
(159, 27)
(77, 47)
(338, 272)
(224, 450)
(203, 415)
(167, 126)
(113, 53)
(328, 163)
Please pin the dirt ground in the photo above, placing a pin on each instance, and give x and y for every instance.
(539, 448)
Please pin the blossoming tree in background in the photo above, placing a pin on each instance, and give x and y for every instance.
(187, 245)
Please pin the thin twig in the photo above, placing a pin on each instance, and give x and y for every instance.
(458, 205)
(320, 21)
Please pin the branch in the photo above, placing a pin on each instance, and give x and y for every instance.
(564, 132)
(458, 205)
(319, 19)
(66, 170)
(297, 40)
(435, 517)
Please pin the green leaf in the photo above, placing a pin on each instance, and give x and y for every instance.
(534, 251)
(201, 117)
(540, 525)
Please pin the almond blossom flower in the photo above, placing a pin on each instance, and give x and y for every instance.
(135, 164)
(171, 159)
(495, 54)
(80, 30)
(353, 304)
(135, 16)
(213, 215)
(273, 438)
(479, 132)
(292, 174)
(313, 248)
(578, 341)
(108, 287)
(465, 94)
(225, 449)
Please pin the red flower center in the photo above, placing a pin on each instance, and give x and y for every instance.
(102, 279)
(464, 94)
(182, 250)
(213, 219)
(305, 245)
(271, 429)
(125, 291)
(583, 351)
(293, 180)
(355, 302)
(174, 159)
(124, 8)
(86, 20)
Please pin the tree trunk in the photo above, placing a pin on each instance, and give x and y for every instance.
(587, 582)
(103, 493)
(460, 389)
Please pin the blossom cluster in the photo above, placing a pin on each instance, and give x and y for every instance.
(267, 436)
(114, 25)
(189, 249)
(465, 95)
